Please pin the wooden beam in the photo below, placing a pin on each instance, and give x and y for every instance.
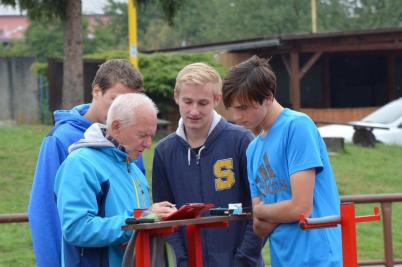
(295, 80)
(286, 63)
(310, 63)
(391, 79)
(326, 81)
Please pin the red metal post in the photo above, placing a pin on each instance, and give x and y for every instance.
(349, 248)
(142, 249)
(348, 225)
(194, 243)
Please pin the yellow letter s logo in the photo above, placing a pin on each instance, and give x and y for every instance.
(224, 175)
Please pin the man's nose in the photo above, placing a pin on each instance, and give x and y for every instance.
(236, 116)
(148, 142)
(194, 110)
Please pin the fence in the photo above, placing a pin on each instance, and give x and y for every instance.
(18, 90)
(386, 201)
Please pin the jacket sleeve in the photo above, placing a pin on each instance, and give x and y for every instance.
(161, 192)
(249, 252)
(79, 195)
(42, 210)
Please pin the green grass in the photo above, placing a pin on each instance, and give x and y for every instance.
(358, 171)
(18, 153)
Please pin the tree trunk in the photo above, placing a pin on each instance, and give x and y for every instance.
(73, 91)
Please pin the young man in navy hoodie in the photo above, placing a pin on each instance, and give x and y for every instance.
(205, 161)
(114, 77)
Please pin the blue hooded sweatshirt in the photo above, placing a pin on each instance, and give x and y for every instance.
(215, 173)
(70, 126)
(97, 187)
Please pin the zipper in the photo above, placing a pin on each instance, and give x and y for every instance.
(128, 164)
(137, 186)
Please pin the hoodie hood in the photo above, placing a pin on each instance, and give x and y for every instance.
(180, 128)
(93, 137)
(181, 133)
(74, 117)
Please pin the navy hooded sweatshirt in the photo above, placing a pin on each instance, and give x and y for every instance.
(70, 126)
(215, 173)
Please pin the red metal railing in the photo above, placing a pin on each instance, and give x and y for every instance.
(385, 200)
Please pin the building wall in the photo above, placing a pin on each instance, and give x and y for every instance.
(18, 90)
(13, 27)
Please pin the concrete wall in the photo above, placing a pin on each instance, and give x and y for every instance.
(18, 90)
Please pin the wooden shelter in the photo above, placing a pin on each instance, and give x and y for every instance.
(338, 70)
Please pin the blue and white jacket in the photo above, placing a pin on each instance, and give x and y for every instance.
(216, 174)
(97, 187)
(70, 126)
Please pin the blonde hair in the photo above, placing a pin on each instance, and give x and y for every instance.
(199, 74)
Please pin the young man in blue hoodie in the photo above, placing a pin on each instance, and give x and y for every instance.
(114, 77)
(205, 161)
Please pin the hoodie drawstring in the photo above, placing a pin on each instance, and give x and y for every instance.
(199, 154)
(189, 155)
(198, 157)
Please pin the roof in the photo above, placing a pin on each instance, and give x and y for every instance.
(306, 42)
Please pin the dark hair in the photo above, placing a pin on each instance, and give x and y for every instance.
(118, 71)
(250, 81)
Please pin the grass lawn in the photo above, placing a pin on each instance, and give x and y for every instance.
(358, 171)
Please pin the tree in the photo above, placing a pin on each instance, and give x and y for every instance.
(69, 11)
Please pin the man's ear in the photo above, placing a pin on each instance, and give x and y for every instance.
(217, 99)
(115, 129)
(96, 91)
(270, 98)
(176, 96)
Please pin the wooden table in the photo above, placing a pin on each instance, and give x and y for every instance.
(194, 239)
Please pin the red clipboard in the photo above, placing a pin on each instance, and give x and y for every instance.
(189, 211)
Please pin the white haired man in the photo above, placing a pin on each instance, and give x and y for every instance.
(107, 184)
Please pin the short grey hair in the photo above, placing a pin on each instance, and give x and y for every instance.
(126, 107)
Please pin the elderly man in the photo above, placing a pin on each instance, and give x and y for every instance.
(107, 184)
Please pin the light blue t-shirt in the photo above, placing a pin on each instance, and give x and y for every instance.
(293, 144)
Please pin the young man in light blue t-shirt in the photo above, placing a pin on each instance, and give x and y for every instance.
(288, 168)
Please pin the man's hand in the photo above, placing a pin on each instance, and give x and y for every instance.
(261, 227)
(258, 205)
(163, 209)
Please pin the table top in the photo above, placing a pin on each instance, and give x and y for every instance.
(199, 220)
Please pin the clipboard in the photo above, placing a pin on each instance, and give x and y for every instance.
(189, 211)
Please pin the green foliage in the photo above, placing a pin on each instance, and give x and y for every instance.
(200, 22)
(111, 35)
(108, 54)
(15, 49)
(40, 68)
(45, 40)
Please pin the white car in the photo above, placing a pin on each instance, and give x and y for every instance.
(385, 123)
